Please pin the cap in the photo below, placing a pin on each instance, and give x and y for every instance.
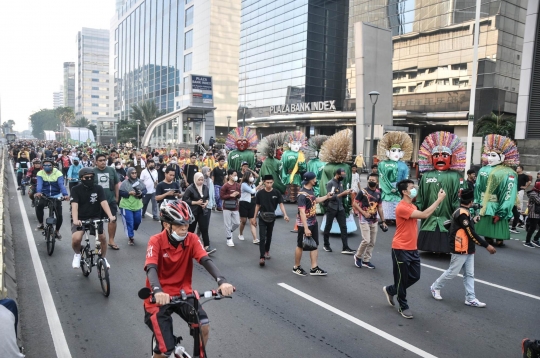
(309, 176)
(467, 194)
(268, 177)
(339, 171)
(244, 163)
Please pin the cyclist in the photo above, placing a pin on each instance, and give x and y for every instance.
(89, 200)
(31, 177)
(169, 268)
(50, 182)
(22, 164)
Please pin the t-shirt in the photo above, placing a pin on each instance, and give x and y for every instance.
(164, 187)
(108, 180)
(268, 201)
(89, 201)
(189, 171)
(219, 175)
(522, 180)
(160, 167)
(174, 264)
(23, 163)
(369, 203)
(406, 235)
(308, 203)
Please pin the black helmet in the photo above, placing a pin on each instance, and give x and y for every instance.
(85, 171)
(50, 160)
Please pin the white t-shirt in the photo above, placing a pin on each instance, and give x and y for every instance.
(355, 182)
(148, 177)
(8, 339)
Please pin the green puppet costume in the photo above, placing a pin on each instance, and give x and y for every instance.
(294, 165)
(314, 164)
(241, 142)
(236, 157)
(269, 150)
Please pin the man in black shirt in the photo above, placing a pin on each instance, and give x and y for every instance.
(190, 169)
(88, 201)
(266, 202)
(471, 179)
(22, 165)
(160, 167)
(168, 189)
(218, 175)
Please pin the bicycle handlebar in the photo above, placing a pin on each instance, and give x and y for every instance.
(94, 221)
(145, 293)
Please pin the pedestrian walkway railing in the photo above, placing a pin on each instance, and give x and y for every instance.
(3, 289)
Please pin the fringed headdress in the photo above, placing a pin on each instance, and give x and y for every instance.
(296, 136)
(444, 142)
(239, 133)
(314, 146)
(337, 148)
(395, 140)
(501, 145)
(268, 145)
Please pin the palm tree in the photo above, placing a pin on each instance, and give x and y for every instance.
(145, 111)
(502, 124)
(81, 122)
(66, 115)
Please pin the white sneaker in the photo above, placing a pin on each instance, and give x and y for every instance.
(436, 293)
(475, 303)
(76, 261)
(230, 242)
(256, 241)
(241, 237)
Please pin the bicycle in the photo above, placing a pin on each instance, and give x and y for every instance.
(50, 222)
(199, 350)
(23, 182)
(88, 256)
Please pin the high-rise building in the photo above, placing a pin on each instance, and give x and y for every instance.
(69, 85)
(159, 44)
(58, 99)
(119, 4)
(92, 100)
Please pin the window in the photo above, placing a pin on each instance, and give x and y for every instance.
(412, 75)
(188, 40)
(455, 82)
(95, 71)
(189, 16)
(188, 1)
(95, 105)
(428, 83)
(95, 113)
(187, 62)
(95, 88)
(412, 88)
(95, 80)
(95, 96)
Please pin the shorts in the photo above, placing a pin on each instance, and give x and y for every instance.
(159, 320)
(247, 209)
(314, 233)
(91, 229)
(114, 207)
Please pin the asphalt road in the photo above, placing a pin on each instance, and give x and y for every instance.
(275, 313)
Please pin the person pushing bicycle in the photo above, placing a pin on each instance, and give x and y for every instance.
(88, 201)
(169, 269)
(31, 178)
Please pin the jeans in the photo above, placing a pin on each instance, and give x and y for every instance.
(203, 219)
(219, 202)
(231, 219)
(369, 236)
(146, 200)
(341, 219)
(40, 211)
(533, 223)
(132, 220)
(265, 236)
(406, 273)
(457, 263)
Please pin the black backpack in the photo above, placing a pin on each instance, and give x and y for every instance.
(530, 349)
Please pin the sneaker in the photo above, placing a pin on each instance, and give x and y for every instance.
(475, 303)
(406, 313)
(267, 255)
(357, 262)
(317, 271)
(528, 244)
(261, 261)
(230, 242)
(40, 227)
(327, 248)
(348, 251)
(294, 231)
(18, 188)
(241, 237)
(536, 243)
(76, 261)
(389, 297)
(435, 293)
(57, 236)
(521, 226)
(514, 231)
(369, 265)
(210, 250)
(299, 271)
(256, 241)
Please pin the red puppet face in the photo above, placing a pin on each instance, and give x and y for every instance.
(242, 144)
(441, 161)
(279, 153)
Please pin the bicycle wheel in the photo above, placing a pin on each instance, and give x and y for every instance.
(85, 262)
(49, 236)
(103, 274)
(23, 189)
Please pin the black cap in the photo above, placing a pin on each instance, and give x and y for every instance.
(339, 171)
(244, 163)
(467, 194)
(309, 176)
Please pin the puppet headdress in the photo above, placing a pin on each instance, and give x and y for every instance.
(445, 142)
(502, 145)
(241, 132)
(314, 146)
(337, 148)
(268, 145)
(395, 139)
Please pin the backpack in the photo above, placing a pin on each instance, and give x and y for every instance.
(530, 349)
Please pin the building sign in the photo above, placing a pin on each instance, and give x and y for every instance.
(321, 106)
(203, 83)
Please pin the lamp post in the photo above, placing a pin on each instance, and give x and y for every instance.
(138, 121)
(373, 97)
(228, 124)
(175, 128)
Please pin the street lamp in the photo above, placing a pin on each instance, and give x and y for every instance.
(228, 123)
(175, 128)
(244, 120)
(138, 121)
(373, 97)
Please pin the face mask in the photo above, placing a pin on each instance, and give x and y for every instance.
(235, 178)
(75, 162)
(372, 184)
(118, 167)
(413, 193)
(89, 183)
(340, 178)
(151, 167)
(48, 169)
(251, 180)
(177, 237)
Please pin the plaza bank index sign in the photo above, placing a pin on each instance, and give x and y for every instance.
(320, 106)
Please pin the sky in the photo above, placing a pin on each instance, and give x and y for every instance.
(36, 38)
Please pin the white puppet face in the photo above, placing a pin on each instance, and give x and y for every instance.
(394, 154)
(495, 158)
(295, 146)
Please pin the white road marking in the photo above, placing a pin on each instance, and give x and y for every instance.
(489, 284)
(360, 323)
(57, 333)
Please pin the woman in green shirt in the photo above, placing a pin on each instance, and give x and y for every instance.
(132, 191)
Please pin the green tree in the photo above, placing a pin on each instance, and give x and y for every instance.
(145, 111)
(44, 119)
(93, 128)
(7, 127)
(66, 115)
(81, 122)
(502, 124)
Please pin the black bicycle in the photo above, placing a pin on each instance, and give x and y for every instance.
(199, 350)
(50, 222)
(23, 182)
(91, 258)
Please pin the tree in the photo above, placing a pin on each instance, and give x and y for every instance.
(81, 122)
(93, 128)
(503, 124)
(44, 119)
(145, 111)
(65, 115)
(7, 127)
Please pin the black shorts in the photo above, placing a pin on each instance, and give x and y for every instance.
(247, 209)
(114, 207)
(314, 233)
(91, 228)
(159, 320)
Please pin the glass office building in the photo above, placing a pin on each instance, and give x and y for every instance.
(69, 85)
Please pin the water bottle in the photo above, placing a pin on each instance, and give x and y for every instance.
(181, 352)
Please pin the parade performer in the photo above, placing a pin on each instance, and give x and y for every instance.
(241, 142)
(293, 163)
(392, 150)
(336, 151)
(270, 150)
(496, 188)
(441, 160)
(314, 163)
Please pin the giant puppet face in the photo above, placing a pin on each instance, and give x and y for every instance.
(242, 144)
(441, 160)
(495, 158)
(395, 153)
(295, 146)
(279, 153)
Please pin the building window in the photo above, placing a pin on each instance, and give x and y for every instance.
(455, 82)
(189, 16)
(185, 85)
(95, 96)
(187, 62)
(412, 88)
(95, 88)
(188, 1)
(95, 113)
(95, 80)
(95, 105)
(95, 71)
(188, 40)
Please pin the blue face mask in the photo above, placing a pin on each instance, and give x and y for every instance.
(48, 168)
(413, 193)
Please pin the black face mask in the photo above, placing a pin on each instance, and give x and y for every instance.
(89, 183)
(75, 162)
(372, 184)
(340, 178)
(151, 167)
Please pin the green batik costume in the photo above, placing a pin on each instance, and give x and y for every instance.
(289, 159)
(390, 173)
(236, 157)
(496, 190)
(272, 166)
(316, 166)
(433, 236)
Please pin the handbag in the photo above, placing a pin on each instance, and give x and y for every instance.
(229, 204)
(308, 243)
(267, 216)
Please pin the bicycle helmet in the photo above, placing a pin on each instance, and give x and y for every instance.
(176, 212)
(86, 171)
(36, 161)
(50, 160)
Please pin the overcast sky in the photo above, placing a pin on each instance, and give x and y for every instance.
(36, 38)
